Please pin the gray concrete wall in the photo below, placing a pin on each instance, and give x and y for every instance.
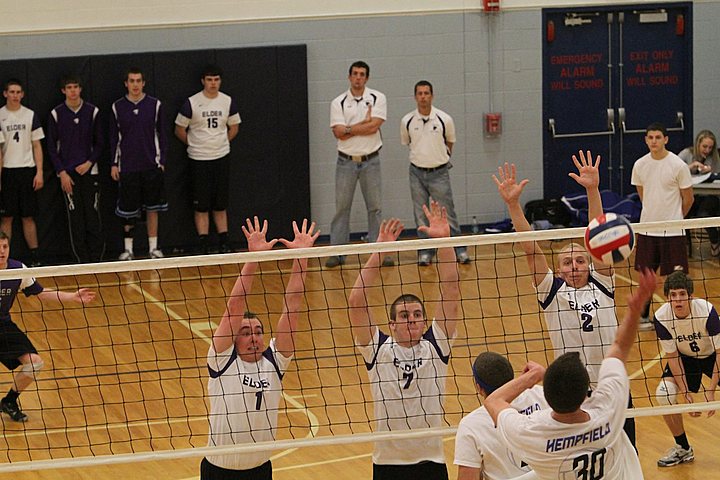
(450, 50)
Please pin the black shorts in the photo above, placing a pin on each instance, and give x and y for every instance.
(208, 471)
(210, 182)
(416, 471)
(16, 190)
(661, 252)
(14, 343)
(694, 370)
(140, 191)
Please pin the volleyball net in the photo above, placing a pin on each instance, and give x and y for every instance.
(126, 376)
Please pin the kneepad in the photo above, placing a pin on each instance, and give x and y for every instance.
(666, 393)
(31, 369)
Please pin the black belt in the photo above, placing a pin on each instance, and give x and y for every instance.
(363, 158)
(428, 170)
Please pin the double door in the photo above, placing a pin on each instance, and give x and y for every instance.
(608, 73)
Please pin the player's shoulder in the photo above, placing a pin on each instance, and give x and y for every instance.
(406, 118)
(341, 97)
(376, 93)
(12, 264)
(442, 114)
(476, 419)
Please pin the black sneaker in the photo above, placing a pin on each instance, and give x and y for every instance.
(13, 410)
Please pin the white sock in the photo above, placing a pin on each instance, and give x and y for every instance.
(152, 242)
(129, 244)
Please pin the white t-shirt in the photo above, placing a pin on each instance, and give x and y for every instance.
(558, 450)
(348, 110)
(661, 181)
(208, 119)
(696, 336)
(580, 319)
(244, 403)
(21, 127)
(408, 385)
(478, 445)
(427, 137)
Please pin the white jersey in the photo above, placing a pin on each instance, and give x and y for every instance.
(348, 110)
(580, 319)
(427, 137)
(244, 400)
(21, 127)
(207, 121)
(478, 445)
(590, 449)
(408, 385)
(696, 336)
(661, 181)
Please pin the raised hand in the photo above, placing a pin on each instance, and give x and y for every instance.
(508, 188)
(390, 230)
(589, 173)
(437, 219)
(256, 235)
(637, 301)
(304, 236)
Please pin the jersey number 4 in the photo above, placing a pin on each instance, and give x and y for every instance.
(590, 467)
(16, 137)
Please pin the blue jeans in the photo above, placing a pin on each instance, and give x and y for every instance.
(435, 184)
(347, 175)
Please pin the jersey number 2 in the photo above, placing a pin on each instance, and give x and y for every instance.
(595, 462)
(586, 322)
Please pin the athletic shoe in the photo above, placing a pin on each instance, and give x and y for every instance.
(333, 262)
(126, 255)
(13, 410)
(675, 456)
(157, 253)
(388, 261)
(645, 324)
(424, 259)
(463, 258)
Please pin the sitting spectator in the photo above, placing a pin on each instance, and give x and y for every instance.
(703, 158)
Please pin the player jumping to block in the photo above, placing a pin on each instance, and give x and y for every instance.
(245, 383)
(408, 368)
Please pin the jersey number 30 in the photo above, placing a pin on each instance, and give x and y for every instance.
(590, 467)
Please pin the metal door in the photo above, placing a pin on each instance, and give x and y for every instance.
(607, 74)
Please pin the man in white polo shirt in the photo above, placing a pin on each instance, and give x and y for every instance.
(207, 123)
(430, 134)
(355, 119)
(22, 168)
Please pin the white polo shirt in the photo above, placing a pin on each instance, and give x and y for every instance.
(208, 119)
(427, 137)
(348, 110)
(21, 127)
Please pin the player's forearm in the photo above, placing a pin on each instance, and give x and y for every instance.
(678, 372)
(295, 289)
(521, 224)
(367, 278)
(687, 202)
(500, 399)
(38, 156)
(366, 128)
(233, 131)
(595, 208)
(58, 296)
(243, 285)
(181, 134)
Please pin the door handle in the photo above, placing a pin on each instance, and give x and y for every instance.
(679, 122)
(610, 125)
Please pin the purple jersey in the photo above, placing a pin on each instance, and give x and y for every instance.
(10, 287)
(138, 140)
(74, 137)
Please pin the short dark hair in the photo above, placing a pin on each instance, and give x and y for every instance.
(566, 383)
(135, 71)
(491, 371)
(678, 280)
(360, 64)
(251, 315)
(405, 298)
(211, 70)
(424, 83)
(4, 236)
(70, 80)
(656, 127)
(13, 81)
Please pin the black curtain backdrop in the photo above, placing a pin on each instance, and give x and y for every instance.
(269, 173)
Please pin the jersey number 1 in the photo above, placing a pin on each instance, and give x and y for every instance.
(258, 399)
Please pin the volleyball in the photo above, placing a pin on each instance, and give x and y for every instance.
(609, 238)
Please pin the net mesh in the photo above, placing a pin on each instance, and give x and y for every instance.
(126, 376)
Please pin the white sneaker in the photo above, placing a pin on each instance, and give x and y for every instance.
(126, 255)
(157, 253)
(646, 324)
(676, 455)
